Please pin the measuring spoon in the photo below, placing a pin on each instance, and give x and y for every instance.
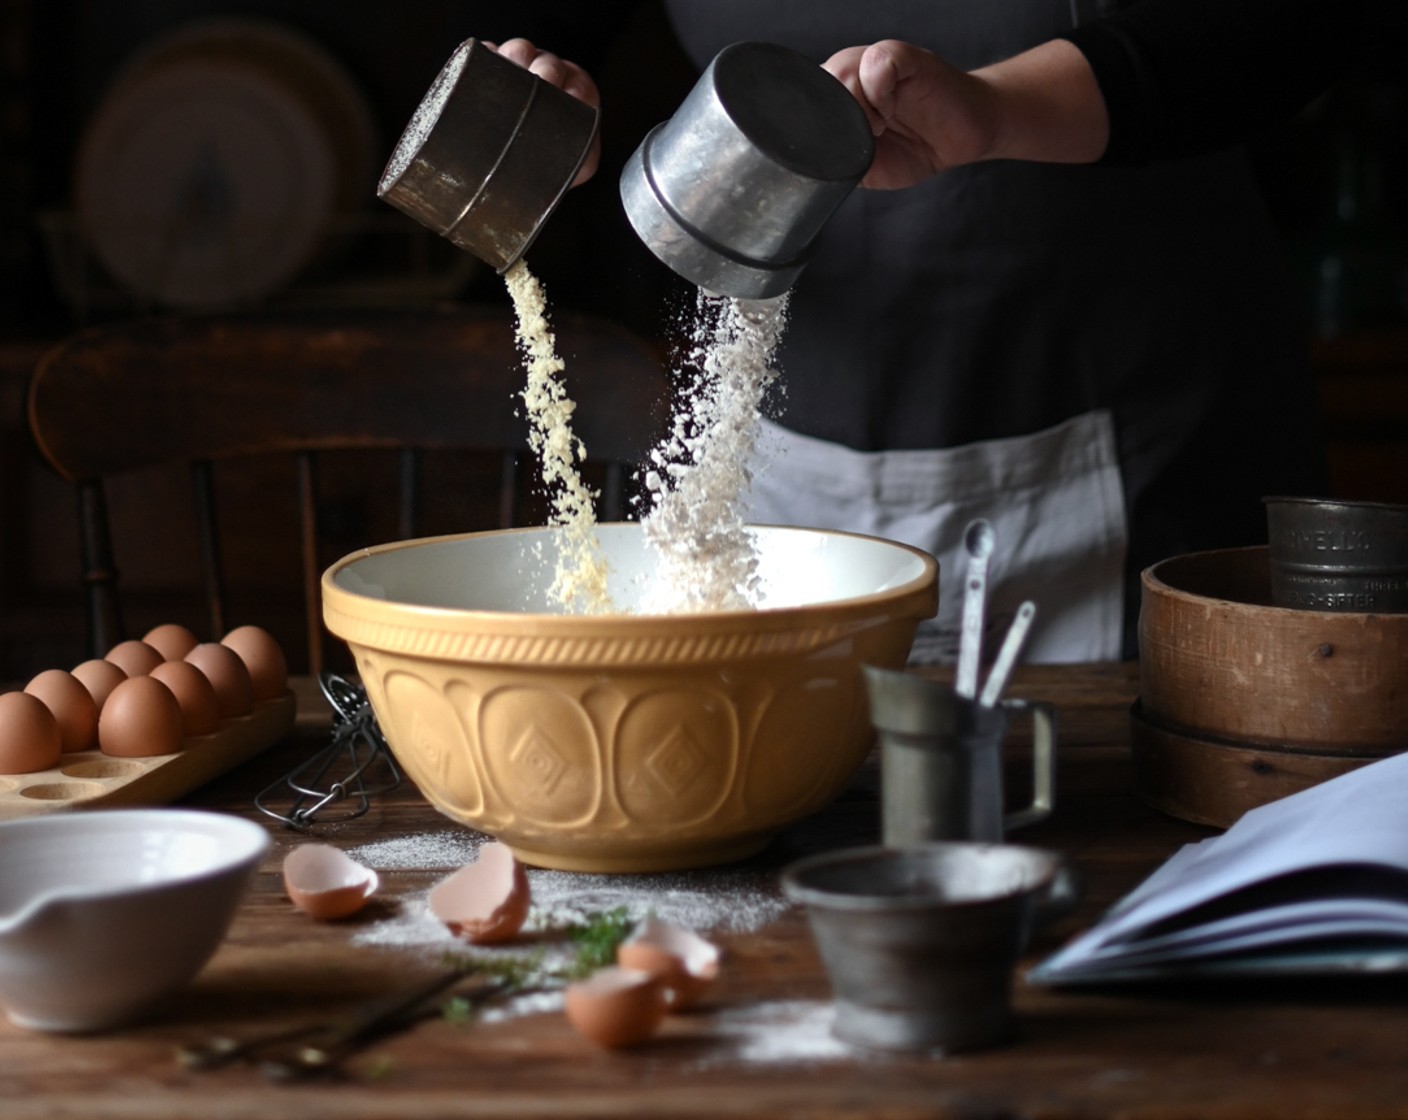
(978, 540)
(1007, 654)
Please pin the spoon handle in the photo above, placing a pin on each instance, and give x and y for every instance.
(1007, 655)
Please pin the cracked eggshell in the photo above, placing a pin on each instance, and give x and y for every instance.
(485, 901)
(617, 1007)
(685, 962)
(326, 883)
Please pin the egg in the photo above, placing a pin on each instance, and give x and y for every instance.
(100, 678)
(616, 1006)
(172, 640)
(684, 961)
(30, 740)
(263, 657)
(195, 695)
(141, 719)
(485, 901)
(326, 883)
(227, 674)
(135, 658)
(73, 706)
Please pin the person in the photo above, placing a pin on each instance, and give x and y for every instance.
(1061, 305)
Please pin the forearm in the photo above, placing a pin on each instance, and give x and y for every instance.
(1044, 105)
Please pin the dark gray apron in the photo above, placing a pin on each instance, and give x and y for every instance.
(1006, 298)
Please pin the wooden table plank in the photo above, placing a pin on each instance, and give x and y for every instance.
(1293, 1050)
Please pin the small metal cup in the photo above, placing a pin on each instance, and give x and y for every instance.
(1338, 556)
(733, 189)
(488, 155)
(920, 943)
(941, 761)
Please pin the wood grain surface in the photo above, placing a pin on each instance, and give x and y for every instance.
(1277, 1049)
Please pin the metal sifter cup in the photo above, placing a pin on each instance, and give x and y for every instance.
(488, 155)
(733, 189)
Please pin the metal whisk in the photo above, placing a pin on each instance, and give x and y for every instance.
(338, 782)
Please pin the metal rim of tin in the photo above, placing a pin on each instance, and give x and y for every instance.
(1045, 867)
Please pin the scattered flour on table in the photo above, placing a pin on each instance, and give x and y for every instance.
(698, 476)
(706, 900)
(778, 1032)
(580, 580)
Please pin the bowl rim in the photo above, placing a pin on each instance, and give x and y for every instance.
(342, 601)
(244, 844)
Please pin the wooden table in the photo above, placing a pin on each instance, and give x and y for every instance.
(1307, 1049)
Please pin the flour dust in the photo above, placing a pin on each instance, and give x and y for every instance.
(698, 477)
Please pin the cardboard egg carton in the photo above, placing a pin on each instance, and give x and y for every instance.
(91, 779)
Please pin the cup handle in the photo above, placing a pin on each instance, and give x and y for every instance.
(1043, 762)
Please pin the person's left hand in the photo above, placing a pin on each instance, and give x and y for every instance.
(926, 115)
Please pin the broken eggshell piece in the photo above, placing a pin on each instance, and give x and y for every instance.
(685, 962)
(616, 1007)
(484, 901)
(326, 883)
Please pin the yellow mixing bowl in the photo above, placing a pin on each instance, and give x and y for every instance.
(625, 742)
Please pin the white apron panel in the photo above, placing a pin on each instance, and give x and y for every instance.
(1054, 499)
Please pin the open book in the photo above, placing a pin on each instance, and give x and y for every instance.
(1315, 882)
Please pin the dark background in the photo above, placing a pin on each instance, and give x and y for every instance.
(1335, 179)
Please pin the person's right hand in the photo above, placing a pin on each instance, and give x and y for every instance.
(566, 76)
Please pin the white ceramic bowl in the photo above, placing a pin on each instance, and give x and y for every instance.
(102, 914)
(626, 741)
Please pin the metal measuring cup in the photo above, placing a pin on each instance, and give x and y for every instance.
(941, 760)
(488, 154)
(920, 943)
(733, 189)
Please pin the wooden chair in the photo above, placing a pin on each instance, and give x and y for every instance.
(137, 394)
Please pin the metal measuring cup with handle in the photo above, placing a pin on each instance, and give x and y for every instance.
(941, 761)
(733, 189)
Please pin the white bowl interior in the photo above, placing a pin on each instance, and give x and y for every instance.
(513, 571)
(75, 855)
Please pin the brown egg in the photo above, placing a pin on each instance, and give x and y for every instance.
(227, 674)
(29, 734)
(73, 706)
(684, 961)
(100, 678)
(135, 658)
(616, 1006)
(172, 640)
(195, 695)
(326, 883)
(263, 657)
(140, 719)
(484, 901)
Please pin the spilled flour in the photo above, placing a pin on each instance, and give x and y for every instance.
(709, 901)
(579, 582)
(698, 476)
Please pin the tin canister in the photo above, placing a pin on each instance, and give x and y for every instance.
(488, 155)
(732, 190)
(1338, 555)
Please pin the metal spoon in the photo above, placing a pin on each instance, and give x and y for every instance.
(1007, 654)
(978, 540)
